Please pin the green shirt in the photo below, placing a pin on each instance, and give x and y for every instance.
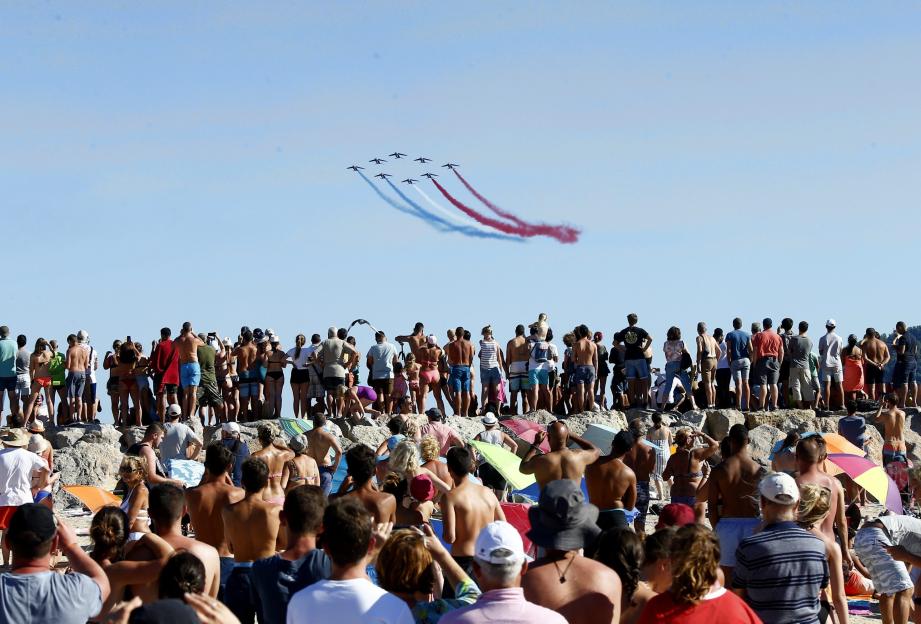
(466, 593)
(206, 355)
(57, 369)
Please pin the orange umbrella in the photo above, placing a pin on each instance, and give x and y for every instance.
(94, 498)
(837, 443)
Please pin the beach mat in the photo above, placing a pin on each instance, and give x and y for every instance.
(295, 426)
(188, 471)
(93, 498)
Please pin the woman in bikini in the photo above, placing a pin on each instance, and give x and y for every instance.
(275, 361)
(40, 376)
(143, 380)
(133, 473)
(300, 469)
(231, 386)
(685, 465)
(412, 370)
(127, 382)
(110, 363)
(275, 458)
(300, 375)
(429, 376)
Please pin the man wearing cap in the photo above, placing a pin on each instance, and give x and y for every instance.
(830, 366)
(732, 495)
(576, 587)
(780, 570)
(230, 438)
(17, 466)
(611, 484)
(380, 360)
(768, 354)
(491, 477)
(179, 441)
(499, 565)
(446, 436)
(359, 484)
(561, 462)
(31, 591)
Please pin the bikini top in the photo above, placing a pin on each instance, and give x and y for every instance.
(692, 475)
(294, 471)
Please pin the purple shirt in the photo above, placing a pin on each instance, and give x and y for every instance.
(503, 605)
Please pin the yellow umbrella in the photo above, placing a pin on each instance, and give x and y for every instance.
(505, 462)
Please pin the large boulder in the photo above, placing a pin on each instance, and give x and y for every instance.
(65, 437)
(368, 435)
(636, 412)
(88, 463)
(695, 419)
(720, 421)
(467, 428)
(542, 417)
(791, 420)
(578, 423)
(761, 440)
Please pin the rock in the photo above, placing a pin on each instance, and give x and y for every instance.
(719, 421)
(131, 435)
(87, 463)
(542, 417)
(578, 423)
(102, 434)
(791, 420)
(761, 440)
(368, 435)
(696, 419)
(634, 412)
(65, 437)
(467, 428)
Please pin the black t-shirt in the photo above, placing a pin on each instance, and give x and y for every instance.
(910, 352)
(633, 338)
(277, 580)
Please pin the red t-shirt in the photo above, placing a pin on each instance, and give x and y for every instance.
(767, 343)
(719, 607)
(166, 362)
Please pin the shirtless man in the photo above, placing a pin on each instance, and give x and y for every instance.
(875, 358)
(416, 340)
(561, 462)
(585, 371)
(641, 459)
(466, 509)
(76, 361)
(611, 484)
(810, 453)
(893, 421)
(189, 370)
(582, 590)
(460, 358)
(517, 353)
(732, 498)
(206, 501)
(165, 507)
(319, 441)
(251, 524)
(245, 356)
(275, 458)
(362, 462)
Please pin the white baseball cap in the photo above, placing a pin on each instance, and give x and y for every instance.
(500, 543)
(174, 410)
(780, 488)
(230, 427)
(831, 323)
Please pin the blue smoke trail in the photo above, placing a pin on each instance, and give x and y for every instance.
(433, 222)
(463, 229)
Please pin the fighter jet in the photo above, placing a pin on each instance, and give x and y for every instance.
(451, 166)
(423, 160)
(383, 176)
(354, 167)
(409, 181)
(397, 155)
(377, 161)
(429, 175)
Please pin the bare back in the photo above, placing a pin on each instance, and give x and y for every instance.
(517, 350)
(820, 478)
(381, 505)
(205, 503)
(583, 352)
(563, 464)
(894, 428)
(466, 510)
(641, 459)
(251, 527)
(76, 359)
(275, 459)
(319, 441)
(611, 483)
(188, 348)
(734, 483)
(590, 594)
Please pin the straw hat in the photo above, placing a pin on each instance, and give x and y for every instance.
(15, 438)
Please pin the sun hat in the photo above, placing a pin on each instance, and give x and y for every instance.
(490, 419)
(37, 444)
(562, 520)
(230, 427)
(831, 323)
(36, 426)
(499, 543)
(780, 488)
(15, 438)
(421, 488)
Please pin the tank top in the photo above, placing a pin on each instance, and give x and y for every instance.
(489, 354)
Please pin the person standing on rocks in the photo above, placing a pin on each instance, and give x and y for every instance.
(876, 357)
(708, 355)
(164, 362)
(585, 371)
(906, 364)
(800, 378)
(517, 354)
(380, 360)
(895, 459)
(685, 465)
(460, 358)
(416, 339)
(611, 485)
(769, 353)
(76, 361)
(636, 341)
(319, 442)
(189, 370)
(810, 453)
(830, 367)
(732, 496)
(561, 462)
(642, 458)
(739, 343)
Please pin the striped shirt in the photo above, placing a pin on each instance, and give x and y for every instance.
(782, 570)
(489, 354)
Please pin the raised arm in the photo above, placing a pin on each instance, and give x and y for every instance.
(587, 447)
(531, 459)
(712, 447)
(510, 443)
(79, 561)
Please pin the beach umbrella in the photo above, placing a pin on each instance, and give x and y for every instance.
(526, 430)
(93, 498)
(505, 462)
(869, 476)
(834, 443)
(516, 514)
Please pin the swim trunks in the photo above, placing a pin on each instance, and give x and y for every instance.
(636, 369)
(189, 374)
(490, 375)
(583, 375)
(539, 377)
(642, 501)
(326, 479)
(731, 532)
(75, 384)
(460, 378)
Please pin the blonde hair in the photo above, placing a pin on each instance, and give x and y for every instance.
(404, 564)
(412, 428)
(682, 435)
(134, 463)
(429, 448)
(695, 558)
(404, 459)
(814, 503)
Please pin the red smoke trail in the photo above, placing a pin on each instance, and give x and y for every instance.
(517, 230)
(563, 233)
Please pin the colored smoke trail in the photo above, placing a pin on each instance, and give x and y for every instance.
(563, 233)
(435, 223)
(431, 202)
(463, 229)
(502, 226)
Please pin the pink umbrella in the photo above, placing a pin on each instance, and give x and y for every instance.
(526, 430)
(869, 476)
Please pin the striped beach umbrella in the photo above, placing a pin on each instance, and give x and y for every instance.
(526, 430)
(869, 476)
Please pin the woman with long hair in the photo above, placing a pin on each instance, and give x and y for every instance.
(814, 503)
(299, 358)
(275, 455)
(41, 379)
(853, 358)
(695, 595)
(133, 473)
(675, 349)
(622, 550)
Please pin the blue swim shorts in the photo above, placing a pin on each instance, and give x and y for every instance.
(490, 375)
(190, 374)
(583, 376)
(460, 378)
(539, 377)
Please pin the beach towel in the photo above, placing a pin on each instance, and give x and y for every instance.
(188, 471)
(93, 498)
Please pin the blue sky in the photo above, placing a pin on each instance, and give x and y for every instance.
(170, 161)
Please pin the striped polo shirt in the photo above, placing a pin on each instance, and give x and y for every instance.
(782, 569)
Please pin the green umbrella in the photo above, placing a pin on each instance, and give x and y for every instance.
(505, 462)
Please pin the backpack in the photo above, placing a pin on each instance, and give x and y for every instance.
(540, 352)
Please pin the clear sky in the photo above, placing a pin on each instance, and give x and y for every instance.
(172, 161)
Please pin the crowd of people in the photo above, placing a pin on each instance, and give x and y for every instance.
(424, 528)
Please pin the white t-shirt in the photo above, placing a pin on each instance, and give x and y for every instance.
(92, 361)
(300, 363)
(356, 601)
(16, 468)
(552, 354)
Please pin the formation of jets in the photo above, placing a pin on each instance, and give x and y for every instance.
(399, 156)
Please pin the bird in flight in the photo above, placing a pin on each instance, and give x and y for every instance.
(354, 167)
(409, 181)
(423, 160)
(450, 166)
(397, 155)
(377, 161)
(429, 175)
(383, 176)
